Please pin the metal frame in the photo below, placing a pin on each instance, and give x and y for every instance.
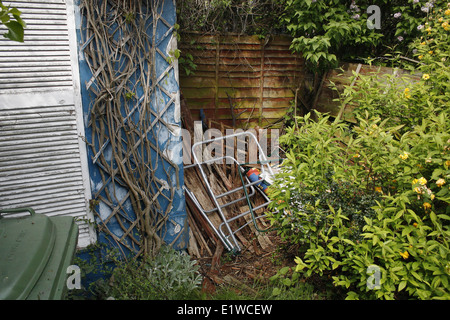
(227, 236)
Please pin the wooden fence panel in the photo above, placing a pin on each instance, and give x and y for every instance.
(240, 81)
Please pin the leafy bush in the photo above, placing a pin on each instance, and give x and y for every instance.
(312, 217)
(409, 98)
(327, 31)
(169, 275)
(394, 105)
(287, 284)
(398, 245)
(313, 181)
(403, 228)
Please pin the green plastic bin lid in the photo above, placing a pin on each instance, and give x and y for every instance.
(34, 251)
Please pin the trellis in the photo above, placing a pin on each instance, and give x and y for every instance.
(132, 122)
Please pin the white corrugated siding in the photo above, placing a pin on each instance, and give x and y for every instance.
(41, 155)
(43, 60)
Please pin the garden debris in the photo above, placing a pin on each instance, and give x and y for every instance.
(255, 260)
(215, 188)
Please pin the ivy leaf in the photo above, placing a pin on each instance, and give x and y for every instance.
(15, 31)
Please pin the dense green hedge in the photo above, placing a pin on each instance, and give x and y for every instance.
(369, 203)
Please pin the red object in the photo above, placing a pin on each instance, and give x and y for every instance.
(253, 175)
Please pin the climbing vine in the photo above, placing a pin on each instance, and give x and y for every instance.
(120, 48)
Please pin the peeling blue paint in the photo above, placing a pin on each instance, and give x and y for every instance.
(169, 139)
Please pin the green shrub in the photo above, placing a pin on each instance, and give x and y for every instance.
(394, 104)
(395, 220)
(312, 218)
(169, 275)
(287, 284)
(331, 30)
(390, 240)
(406, 101)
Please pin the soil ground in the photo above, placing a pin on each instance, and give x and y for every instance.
(244, 269)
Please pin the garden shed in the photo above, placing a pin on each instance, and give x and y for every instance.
(58, 89)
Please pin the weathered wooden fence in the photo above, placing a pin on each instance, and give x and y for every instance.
(242, 81)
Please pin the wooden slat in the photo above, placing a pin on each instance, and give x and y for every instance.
(259, 79)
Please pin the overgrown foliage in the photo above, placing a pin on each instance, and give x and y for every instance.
(396, 161)
(406, 100)
(170, 274)
(332, 30)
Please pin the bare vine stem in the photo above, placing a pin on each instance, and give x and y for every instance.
(120, 50)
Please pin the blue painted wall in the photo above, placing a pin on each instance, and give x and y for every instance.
(169, 139)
